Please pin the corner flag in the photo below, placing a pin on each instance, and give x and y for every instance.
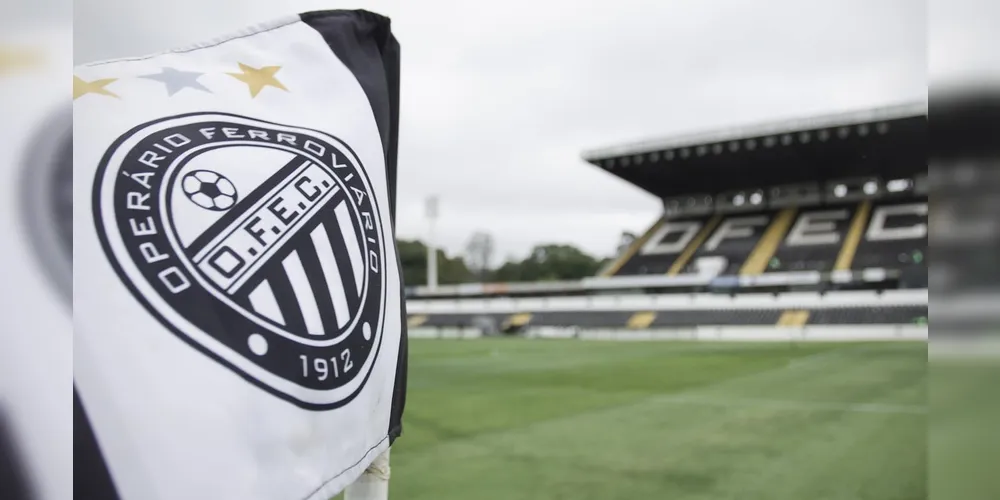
(239, 325)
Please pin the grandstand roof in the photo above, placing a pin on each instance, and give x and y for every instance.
(880, 141)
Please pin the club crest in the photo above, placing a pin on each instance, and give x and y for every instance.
(259, 244)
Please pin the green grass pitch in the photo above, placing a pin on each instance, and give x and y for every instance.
(580, 420)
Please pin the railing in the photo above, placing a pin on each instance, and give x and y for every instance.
(670, 301)
(808, 333)
(655, 281)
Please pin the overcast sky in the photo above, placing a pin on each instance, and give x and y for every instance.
(499, 98)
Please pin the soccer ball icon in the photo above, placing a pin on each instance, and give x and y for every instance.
(209, 190)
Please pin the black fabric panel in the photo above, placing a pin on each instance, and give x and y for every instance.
(13, 472)
(91, 477)
(363, 41)
(399, 391)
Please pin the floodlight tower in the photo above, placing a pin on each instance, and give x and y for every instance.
(432, 214)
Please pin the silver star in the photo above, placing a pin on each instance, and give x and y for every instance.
(176, 80)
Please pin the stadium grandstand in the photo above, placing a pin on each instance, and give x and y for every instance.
(803, 229)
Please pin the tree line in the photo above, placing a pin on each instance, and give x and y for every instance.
(545, 262)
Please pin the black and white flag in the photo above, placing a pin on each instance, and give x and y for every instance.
(238, 319)
(36, 350)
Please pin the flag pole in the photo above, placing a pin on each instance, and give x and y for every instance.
(432, 272)
(373, 483)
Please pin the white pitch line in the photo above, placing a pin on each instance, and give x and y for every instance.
(737, 402)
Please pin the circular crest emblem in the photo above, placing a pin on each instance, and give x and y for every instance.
(259, 244)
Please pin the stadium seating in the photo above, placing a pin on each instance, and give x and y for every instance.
(813, 228)
(888, 235)
(869, 315)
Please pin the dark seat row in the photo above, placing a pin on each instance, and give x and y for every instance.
(681, 318)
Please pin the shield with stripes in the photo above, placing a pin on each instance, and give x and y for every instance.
(259, 244)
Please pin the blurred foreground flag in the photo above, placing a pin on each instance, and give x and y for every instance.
(238, 315)
(36, 338)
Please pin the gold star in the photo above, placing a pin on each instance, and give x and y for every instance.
(257, 79)
(15, 59)
(81, 87)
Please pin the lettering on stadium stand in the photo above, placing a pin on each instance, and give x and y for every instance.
(258, 244)
(890, 222)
